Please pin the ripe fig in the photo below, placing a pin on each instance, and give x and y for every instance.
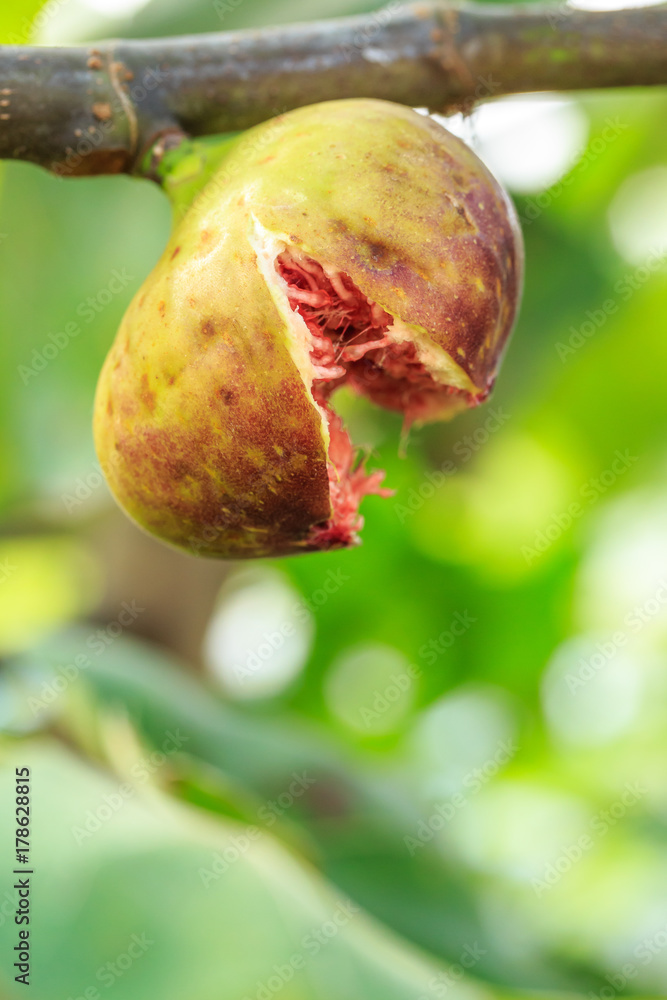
(354, 242)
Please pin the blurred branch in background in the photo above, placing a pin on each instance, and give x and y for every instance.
(98, 110)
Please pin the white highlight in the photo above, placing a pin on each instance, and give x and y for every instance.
(260, 637)
(115, 8)
(529, 143)
(638, 215)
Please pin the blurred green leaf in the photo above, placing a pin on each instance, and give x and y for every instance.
(136, 890)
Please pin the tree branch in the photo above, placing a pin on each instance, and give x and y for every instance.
(90, 110)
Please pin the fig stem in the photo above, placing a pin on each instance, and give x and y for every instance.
(182, 165)
(100, 109)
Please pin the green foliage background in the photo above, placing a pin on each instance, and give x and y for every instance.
(550, 869)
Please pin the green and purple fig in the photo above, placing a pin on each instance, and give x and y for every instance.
(354, 242)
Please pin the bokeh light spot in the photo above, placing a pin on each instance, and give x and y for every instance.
(529, 143)
(371, 688)
(259, 638)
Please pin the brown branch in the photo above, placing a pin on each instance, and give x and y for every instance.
(98, 110)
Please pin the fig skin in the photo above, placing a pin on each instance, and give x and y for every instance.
(204, 399)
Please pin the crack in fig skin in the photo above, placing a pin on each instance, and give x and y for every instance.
(343, 326)
(447, 257)
(349, 344)
(210, 435)
(348, 485)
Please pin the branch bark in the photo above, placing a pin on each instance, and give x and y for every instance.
(91, 110)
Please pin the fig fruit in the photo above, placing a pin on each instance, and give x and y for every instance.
(353, 242)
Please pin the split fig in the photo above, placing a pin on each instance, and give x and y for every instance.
(353, 243)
